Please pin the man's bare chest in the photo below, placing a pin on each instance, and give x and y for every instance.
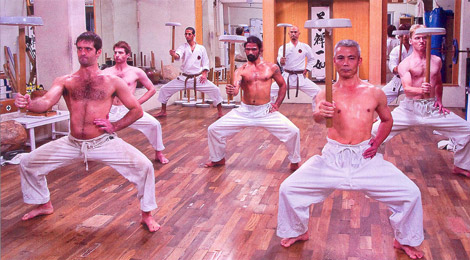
(86, 91)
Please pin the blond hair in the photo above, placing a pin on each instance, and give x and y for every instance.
(415, 27)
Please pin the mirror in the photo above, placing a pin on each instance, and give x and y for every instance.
(443, 13)
(223, 17)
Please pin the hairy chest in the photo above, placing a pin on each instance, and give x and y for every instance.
(86, 90)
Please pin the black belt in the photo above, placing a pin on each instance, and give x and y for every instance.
(190, 76)
(296, 73)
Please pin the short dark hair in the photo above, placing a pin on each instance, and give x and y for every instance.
(90, 37)
(390, 30)
(254, 39)
(239, 30)
(404, 26)
(124, 45)
(191, 28)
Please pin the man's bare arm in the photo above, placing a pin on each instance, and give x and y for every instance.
(438, 88)
(407, 81)
(386, 123)
(130, 102)
(142, 77)
(45, 102)
(237, 81)
(277, 76)
(323, 109)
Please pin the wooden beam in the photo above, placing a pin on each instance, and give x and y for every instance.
(22, 60)
(376, 41)
(198, 22)
(269, 50)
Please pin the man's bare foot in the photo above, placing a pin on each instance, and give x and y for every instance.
(160, 114)
(42, 209)
(215, 164)
(294, 166)
(220, 114)
(147, 220)
(160, 157)
(460, 171)
(287, 242)
(412, 252)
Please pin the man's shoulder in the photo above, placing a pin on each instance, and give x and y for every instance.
(270, 65)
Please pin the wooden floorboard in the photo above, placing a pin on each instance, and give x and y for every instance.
(231, 212)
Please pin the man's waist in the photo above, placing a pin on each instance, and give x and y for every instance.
(187, 75)
(294, 71)
(103, 137)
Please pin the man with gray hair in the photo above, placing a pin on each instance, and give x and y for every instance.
(349, 160)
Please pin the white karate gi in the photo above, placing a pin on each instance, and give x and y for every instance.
(295, 61)
(422, 112)
(107, 148)
(193, 62)
(394, 88)
(251, 115)
(147, 124)
(343, 167)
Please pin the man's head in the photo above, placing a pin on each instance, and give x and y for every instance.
(88, 48)
(405, 37)
(240, 31)
(90, 37)
(189, 34)
(417, 41)
(294, 33)
(253, 48)
(122, 51)
(347, 58)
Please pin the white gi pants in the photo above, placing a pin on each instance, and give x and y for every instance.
(108, 149)
(250, 115)
(147, 124)
(344, 167)
(422, 112)
(305, 85)
(393, 89)
(167, 90)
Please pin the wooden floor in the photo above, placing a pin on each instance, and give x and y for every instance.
(231, 212)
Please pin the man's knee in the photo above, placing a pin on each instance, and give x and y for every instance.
(212, 129)
(284, 188)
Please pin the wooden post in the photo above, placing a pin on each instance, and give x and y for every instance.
(173, 42)
(22, 61)
(284, 45)
(329, 72)
(232, 68)
(428, 61)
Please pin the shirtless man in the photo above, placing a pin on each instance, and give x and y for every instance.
(89, 95)
(147, 124)
(255, 78)
(417, 109)
(298, 62)
(194, 68)
(349, 160)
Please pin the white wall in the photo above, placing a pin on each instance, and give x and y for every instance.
(141, 23)
(398, 10)
(241, 15)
